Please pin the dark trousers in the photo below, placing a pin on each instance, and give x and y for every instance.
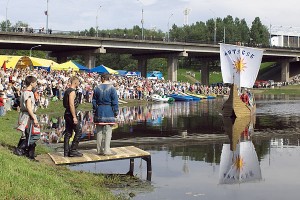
(23, 148)
(70, 127)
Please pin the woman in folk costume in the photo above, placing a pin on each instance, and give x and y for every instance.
(28, 122)
(105, 106)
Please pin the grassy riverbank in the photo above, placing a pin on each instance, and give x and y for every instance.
(290, 90)
(24, 179)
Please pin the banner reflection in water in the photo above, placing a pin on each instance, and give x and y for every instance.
(239, 161)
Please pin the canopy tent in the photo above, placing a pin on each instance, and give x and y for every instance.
(131, 73)
(40, 62)
(155, 75)
(24, 61)
(69, 65)
(122, 72)
(102, 69)
(11, 61)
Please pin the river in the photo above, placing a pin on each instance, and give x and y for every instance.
(196, 154)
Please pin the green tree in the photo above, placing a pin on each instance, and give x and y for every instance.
(92, 32)
(21, 24)
(259, 33)
(3, 25)
(244, 31)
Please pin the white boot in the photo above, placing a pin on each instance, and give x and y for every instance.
(108, 133)
(99, 130)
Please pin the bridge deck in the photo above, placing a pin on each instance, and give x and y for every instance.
(127, 152)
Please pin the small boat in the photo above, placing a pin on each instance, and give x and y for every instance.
(195, 95)
(202, 96)
(180, 97)
(235, 107)
(239, 69)
(211, 96)
(165, 99)
(195, 98)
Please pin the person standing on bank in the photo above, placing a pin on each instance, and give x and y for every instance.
(106, 109)
(70, 102)
(28, 121)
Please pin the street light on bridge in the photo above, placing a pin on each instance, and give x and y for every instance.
(142, 20)
(33, 48)
(169, 27)
(97, 21)
(6, 16)
(215, 28)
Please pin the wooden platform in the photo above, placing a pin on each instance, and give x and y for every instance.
(127, 152)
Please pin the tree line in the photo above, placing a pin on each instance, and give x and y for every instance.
(227, 30)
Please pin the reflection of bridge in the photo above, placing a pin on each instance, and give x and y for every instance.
(63, 46)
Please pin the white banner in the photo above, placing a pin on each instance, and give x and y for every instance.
(240, 65)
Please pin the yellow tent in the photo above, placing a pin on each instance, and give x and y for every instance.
(11, 61)
(24, 61)
(40, 62)
(65, 66)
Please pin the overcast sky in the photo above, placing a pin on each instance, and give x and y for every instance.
(74, 15)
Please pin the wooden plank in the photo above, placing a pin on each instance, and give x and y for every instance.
(92, 156)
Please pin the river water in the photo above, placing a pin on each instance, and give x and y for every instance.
(196, 154)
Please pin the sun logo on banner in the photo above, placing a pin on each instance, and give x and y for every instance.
(239, 163)
(239, 65)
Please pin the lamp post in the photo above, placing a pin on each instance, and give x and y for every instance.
(215, 27)
(97, 21)
(142, 20)
(6, 16)
(47, 17)
(169, 27)
(33, 48)
(270, 35)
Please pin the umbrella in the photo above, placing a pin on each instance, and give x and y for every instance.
(239, 161)
(102, 69)
(69, 65)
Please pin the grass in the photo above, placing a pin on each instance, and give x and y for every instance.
(24, 179)
(265, 67)
(214, 77)
(290, 90)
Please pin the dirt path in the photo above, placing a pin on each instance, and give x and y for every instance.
(191, 78)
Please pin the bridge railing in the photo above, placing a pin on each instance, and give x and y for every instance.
(27, 30)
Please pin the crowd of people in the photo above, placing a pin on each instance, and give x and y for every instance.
(51, 86)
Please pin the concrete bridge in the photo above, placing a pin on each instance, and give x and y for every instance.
(62, 46)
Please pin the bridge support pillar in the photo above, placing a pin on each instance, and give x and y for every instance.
(205, 74)
(172, 68)
(285, 71)
(89, 61)
(142, 66)
(61, 58)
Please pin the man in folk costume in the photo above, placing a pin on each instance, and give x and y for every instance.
(28, 122)
(70, 102)
(105, 107)
(244, 97)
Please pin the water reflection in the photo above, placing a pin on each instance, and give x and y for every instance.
(239, 161)
(153, 120)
